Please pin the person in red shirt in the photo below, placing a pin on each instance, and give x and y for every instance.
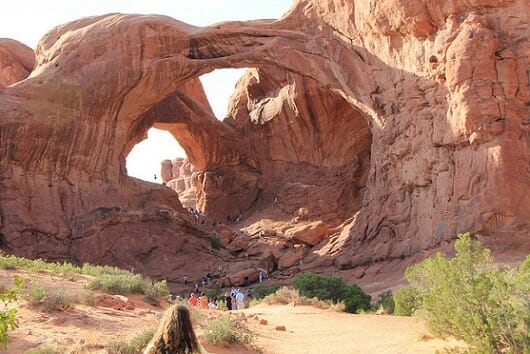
(193, 300)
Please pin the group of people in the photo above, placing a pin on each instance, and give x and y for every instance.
(175, 332)
(201, 218)
(236, 299)
(202, 301)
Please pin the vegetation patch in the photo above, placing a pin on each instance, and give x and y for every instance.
(469, 298)
(333, 289)
(133, 346)
(228, 330)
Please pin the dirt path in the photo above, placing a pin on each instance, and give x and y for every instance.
(310, 330)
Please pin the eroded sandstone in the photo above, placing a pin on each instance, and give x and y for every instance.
(397, 123)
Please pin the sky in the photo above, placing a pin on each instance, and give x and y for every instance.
(28, 20)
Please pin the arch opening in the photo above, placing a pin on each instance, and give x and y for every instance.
(143, 161)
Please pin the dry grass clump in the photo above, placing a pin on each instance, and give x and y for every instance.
(283, 296)
(228, 330)
(50, 299)
(133, 346)
(286, 296)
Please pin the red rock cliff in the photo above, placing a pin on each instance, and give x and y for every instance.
(407, 119)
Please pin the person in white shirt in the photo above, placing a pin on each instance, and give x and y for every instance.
(240, 298)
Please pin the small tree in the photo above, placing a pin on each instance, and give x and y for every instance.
(470, 299)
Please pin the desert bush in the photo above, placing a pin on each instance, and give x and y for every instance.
(155, 292)
(8, 320)
(282, 296)
(119, 284)
(96, 270)
(262, 290)
(229, 330)
(470, 299)
(87, 297)
(63, 269)
(356, 299)
(9, 262)
(334, 289)
(321, 287)
(386, 302)
(59, 299)
(36, 294)
(36, 265)
(406, 301)
(134, 346)
(51, 299)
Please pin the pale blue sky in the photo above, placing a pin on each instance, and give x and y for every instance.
(28, 20)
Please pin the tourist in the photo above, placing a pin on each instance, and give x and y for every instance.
(175, 334)
(240, 299)
(260, 276)
(193, 300)
(228, 301)
(212, 305)
(204, 301)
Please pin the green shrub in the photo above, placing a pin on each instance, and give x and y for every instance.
(229, 330)
(470, 299)
(212, 293)
(119, 284)
(8, 319)
(134, 346)
(9, 262)
(262, 290)
(386, 302)
(37, 294)
(332, 288)
(406, 301)
(321, 287)
(96, 270)
(356, 299)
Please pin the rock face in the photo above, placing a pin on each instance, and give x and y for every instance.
(398, 123)
(16, 61)
(177, 175)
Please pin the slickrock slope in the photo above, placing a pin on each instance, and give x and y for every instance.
(406, 121)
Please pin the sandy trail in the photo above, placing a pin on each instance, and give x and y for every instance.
(310, 330)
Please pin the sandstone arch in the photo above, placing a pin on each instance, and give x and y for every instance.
(443, 132)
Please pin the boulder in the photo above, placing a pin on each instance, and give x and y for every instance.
(116, 302)
(311, 234)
